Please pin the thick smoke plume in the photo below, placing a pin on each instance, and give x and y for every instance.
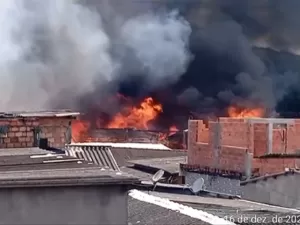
(192, 56)
(54, 52)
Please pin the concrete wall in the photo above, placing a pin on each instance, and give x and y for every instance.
(21, 131)
(215, 183)
(64, 205)
(283, 191)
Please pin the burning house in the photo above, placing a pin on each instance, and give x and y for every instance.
(134, 124)
(33, 129)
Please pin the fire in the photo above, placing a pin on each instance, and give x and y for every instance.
(137, 117)
(173, 129)
(245, 113)
(130, 116)
(79, 130)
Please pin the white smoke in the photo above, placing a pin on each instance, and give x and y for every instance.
(54, 50)
(159, 44)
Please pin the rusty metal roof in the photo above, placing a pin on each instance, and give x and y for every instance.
(98, 154)
(56, 113)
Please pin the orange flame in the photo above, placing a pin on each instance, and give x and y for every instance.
(79, 130)
(137, 117)
(173, 129)
(236, 112)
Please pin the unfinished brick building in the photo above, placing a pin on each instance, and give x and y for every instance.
(26, 129)
(233, 149)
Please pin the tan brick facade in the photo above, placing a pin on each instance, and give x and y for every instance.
(21, 132)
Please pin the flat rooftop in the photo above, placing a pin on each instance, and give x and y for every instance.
(145, 213)
(168, 164)
(55, 113)
(22, 170)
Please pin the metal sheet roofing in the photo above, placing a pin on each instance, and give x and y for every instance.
(100, 155)
(58, 113)
(127, 145)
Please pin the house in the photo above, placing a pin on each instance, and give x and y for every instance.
(28, 129)
(58, 189)
(280, 189)
(228, 150)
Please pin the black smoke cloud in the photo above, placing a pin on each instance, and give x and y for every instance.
(192, 56)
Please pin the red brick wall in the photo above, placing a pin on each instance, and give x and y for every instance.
(235, 134)
(293, 134)
(20, 132)
(237, 138)
(202, 132)
(260, 139)
(274, 165)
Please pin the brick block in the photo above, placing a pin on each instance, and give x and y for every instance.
(10, 145)
(14, 139)
(19, 134)
(35, 123)
(28, 123)
(22, 129)
(11, 134)
(14, 129)
(18, 145)
(6, 140)
(22, 139)
(29, 144)
(4, 122)
(28, 139)
(48, 135)
(63, 134)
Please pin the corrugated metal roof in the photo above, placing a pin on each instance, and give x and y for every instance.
(127, 145)
(58, 113)
(98, 154)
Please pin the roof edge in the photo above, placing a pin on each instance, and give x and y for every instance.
(99, 181)
(275, 175)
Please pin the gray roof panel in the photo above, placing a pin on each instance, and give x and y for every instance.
(168, 164)
(100, 155)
